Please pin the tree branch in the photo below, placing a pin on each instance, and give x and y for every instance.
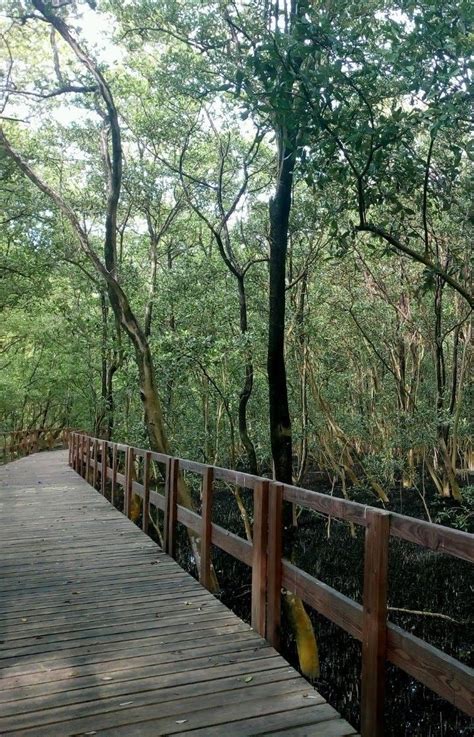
(54, 93)
(419, 257)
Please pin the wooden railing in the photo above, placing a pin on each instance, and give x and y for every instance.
(19, 443)
(367, 622)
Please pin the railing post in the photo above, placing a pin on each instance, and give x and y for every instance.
(146, 491)
(69, 447)
(374, 623)
(76, 452)
(114, 473)
(87, 441)
(205, 567)
(95, 470)
(259, 557)
(81, 455)
(103, 478)
(84, 442)
(127, 502)
(171, 506)
(274, 556)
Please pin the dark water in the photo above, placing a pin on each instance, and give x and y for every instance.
(419, 580)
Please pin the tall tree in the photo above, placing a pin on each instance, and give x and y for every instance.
(112, 156)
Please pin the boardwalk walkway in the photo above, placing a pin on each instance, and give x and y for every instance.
(103, 634)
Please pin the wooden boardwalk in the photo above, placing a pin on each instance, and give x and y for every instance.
(103, 634)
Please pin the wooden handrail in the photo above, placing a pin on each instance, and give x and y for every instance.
(381, 640)
(19, 443)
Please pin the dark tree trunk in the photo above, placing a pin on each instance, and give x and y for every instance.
(280, 424)
(246, 390)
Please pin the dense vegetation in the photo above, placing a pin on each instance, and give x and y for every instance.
(240, 232)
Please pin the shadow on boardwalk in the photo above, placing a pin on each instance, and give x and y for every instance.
(104, 634)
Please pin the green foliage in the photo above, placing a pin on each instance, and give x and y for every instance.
(377, 114)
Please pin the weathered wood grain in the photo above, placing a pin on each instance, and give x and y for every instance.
(103, 632)
(374, 623)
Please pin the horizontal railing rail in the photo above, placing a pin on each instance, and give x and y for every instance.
(18, 443)
(367, 622)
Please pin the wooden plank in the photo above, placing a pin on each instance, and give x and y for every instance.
(146, 491)
(293, 712)
(85, 701)
(138, 488)
(88, 460)
(133, 656)
(68, 585)
(190, 519)
(244, 480)
(118, 643)
(444, 675)
(331, 506)
(79, 451)
(121, 599)
(232, 544)
(160, 457)
(120, 609)
(96, 460)
(76, 452)
(103, 475)
(150, 625)
(187, 465)
(129, 458)
(259, 557)
(333, 728)
(435, 537)
(118, 632)
(164, 716)
(130, 677)
(133, 645)
(157, 500)
(337, 607)
(274, 568)
(82, 447)
(374, 623)
(147, 613)
(114, 473)
(428, 535)
(205, 569)
(171, 501)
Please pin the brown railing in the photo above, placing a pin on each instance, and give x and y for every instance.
(381, 640)
(19, 443)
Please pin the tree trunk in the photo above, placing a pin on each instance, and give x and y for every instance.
(246, 391)
(280, 424)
